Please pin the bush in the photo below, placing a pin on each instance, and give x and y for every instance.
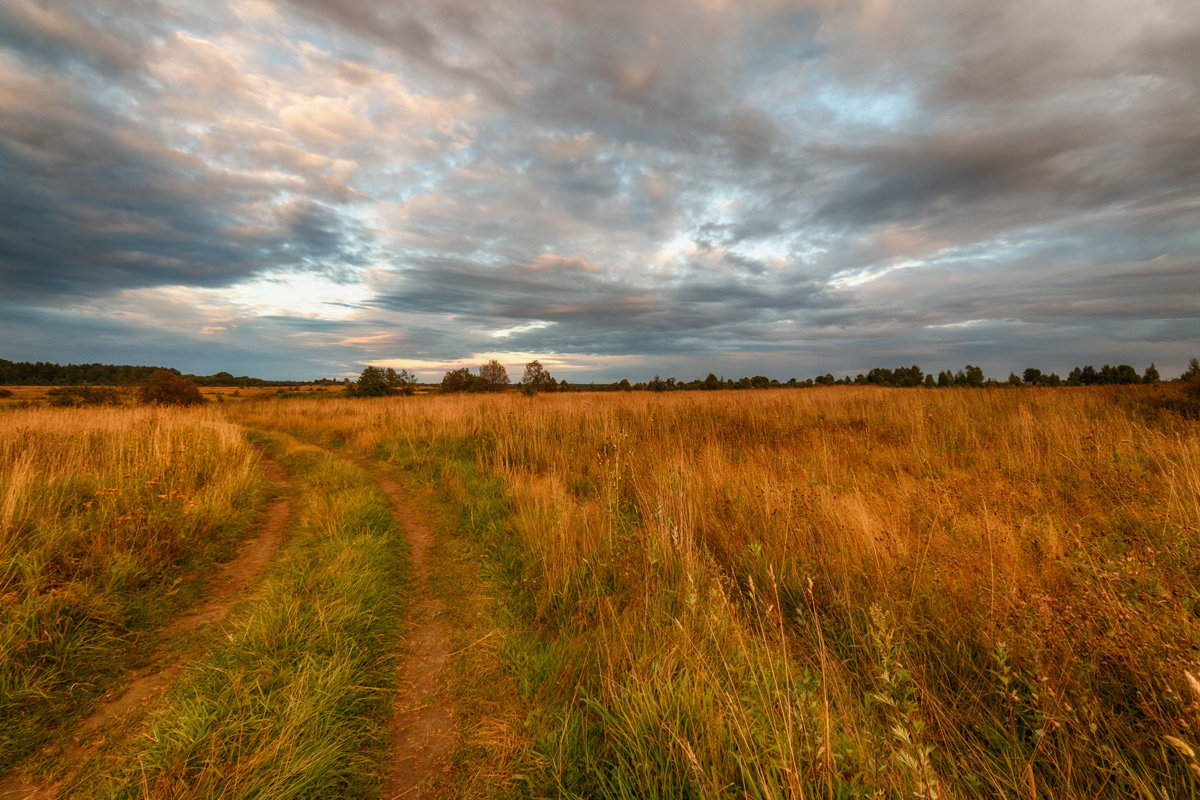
(1185, 403)
(77, 396)
(169, 389)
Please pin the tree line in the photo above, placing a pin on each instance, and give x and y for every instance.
(493, 377)
(45, 373)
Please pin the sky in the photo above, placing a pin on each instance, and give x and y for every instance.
(618, 188)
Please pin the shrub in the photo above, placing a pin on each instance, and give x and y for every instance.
(77, 396)
(169, 389)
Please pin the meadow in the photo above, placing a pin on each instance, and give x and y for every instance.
(848, 592)
(836, 592)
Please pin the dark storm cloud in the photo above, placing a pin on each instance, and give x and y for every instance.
(66, 34)
(584, 310)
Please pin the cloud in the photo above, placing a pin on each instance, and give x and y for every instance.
(798, 184)
(66, 34)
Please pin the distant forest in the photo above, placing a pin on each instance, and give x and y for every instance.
(43, 373)
(970, 376)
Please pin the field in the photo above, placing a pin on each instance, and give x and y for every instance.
(843, 592)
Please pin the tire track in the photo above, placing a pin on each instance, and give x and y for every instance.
(147, 684)
(423, 729)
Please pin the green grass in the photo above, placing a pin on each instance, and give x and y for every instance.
(472, 571)
(294, 696)
(109, 520)
(493, 756)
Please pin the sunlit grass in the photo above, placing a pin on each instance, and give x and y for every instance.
(847, 592)
(103, 515)
(293, 694)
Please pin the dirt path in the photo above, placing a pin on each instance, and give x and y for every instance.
(146, 685)
(423, 726)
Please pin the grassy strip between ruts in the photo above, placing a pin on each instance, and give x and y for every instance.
(295, 694)
(493, 756)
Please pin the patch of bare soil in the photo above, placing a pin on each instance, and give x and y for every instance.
(146, 685)
(423, 725)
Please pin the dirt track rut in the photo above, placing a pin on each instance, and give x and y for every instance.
(144, 686)
(423, 728)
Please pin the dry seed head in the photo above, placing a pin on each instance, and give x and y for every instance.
(1183, 747)
(1192, 682)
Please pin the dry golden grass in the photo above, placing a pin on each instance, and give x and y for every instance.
(844, 591)
(102, 511)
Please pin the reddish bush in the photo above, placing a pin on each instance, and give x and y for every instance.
(169, 389)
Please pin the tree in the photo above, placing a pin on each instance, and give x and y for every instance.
(712, 382)
(1013, 379)
(1151, 375)
(378, 382)
(1122, 373)
(1032, 375)
(1193, 370)
(371, 383)
(493, 376)
(459, 380)
(401, 380)
(168, 389)
(537, 379)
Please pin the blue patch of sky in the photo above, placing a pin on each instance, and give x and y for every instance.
(859, 108)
